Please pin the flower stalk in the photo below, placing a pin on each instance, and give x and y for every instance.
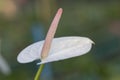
(37, 76)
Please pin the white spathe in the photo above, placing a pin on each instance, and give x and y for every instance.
(61, 48)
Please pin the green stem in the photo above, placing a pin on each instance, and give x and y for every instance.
(37, 76)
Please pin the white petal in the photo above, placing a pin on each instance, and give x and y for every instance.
(30, 53)
(71, 47)
(61, 48)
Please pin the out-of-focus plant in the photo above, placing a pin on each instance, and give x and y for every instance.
(4, 67)
(8, 8)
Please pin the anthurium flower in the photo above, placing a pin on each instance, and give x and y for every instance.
(54, 49)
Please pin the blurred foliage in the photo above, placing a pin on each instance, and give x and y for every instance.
(93, 19)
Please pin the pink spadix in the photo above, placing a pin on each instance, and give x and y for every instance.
(50, 34)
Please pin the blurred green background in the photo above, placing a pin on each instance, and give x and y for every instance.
(96, 19)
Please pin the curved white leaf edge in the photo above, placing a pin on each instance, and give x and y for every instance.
(61, 48)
